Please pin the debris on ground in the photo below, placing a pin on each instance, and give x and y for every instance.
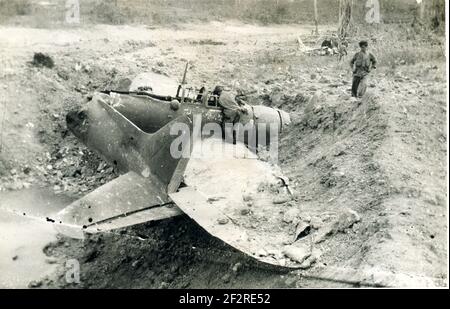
(42, 60)
(282, 199)
(343, 222)
(301, 230)
(35, 284)
(297, 253)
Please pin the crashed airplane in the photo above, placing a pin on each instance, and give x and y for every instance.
(228, 191)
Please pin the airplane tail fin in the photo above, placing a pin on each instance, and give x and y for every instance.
(158, 153)
(153, 167)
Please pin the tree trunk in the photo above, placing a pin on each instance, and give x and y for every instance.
(316, 18)
(345, 17)
(421, 10)
(429, 13)
(438, 13)
(419, 15)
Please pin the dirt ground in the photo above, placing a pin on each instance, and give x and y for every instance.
(381, 159)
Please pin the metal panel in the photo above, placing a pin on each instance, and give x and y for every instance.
(227, 228)
(232, 197)
(125, 194)
(152, 214)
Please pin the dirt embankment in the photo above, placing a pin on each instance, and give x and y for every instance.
(369, 174)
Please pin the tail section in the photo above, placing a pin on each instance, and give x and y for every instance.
(120, 142)
(151, 170)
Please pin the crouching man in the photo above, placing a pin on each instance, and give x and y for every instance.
(362, 63)
(232, 109)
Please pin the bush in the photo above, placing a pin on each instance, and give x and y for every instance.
(177, 11)
(13, 8)
(107, 13)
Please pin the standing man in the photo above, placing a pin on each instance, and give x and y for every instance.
(361, 64)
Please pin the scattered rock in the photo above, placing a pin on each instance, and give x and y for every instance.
(237, 267)
(346, 220)
(245, 211)
(14, 258)
(297, 253)
(222, 221)
(323, 233)
(309, 262)
(35, 284)
(291, 215)
(343, 222)
(312, 259)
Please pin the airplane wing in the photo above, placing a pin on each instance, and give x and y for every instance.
(240, 200)
(127, 200)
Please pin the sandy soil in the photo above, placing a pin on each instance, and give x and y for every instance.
(382, 158)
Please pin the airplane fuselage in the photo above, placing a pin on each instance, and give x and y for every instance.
(150, 113)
